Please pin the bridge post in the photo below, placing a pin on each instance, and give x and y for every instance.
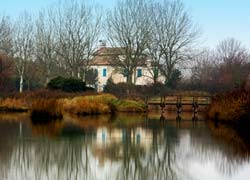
(163, 102)
(146, 102)
(195, 108)
(179, 105)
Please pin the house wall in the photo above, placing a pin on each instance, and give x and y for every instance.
(145, 78)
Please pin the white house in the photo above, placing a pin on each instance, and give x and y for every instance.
(102, 63)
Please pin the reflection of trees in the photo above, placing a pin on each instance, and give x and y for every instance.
(131, 165)
(162, 160)
(75, 152)
(52, 159)
(157, 163)
(221, 144)
(50, 129)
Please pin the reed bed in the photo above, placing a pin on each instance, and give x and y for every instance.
(88, 105)
(43, 109)
(231, 107)
(13, 105)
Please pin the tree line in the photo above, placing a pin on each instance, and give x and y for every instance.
(225, 68)
(61, 40)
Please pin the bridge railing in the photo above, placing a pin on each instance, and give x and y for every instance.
(176, 99)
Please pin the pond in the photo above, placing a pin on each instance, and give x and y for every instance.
(118, 147)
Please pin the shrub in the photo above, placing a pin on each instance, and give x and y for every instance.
(56, 83)
(67, 84)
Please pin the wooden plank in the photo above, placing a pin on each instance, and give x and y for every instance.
(184, 100)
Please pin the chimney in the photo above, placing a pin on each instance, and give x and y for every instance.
(102, 43)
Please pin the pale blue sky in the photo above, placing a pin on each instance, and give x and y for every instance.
(218, 19)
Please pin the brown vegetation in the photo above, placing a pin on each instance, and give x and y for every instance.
(101, 104)
(44, 105)
(13, 104)
(89, 105)
(230, 107)
(42, 109)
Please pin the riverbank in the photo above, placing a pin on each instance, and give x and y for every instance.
(49, 104)
(231, 108)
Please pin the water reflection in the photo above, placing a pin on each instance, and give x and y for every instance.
(121, 147)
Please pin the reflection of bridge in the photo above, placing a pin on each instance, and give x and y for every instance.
(179, 101)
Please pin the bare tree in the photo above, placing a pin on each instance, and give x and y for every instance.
(45, 43)
(235, 62)
(172, 36)
(23, 45)
(223, 69)
(231, 51)
(5, 35)
(77, 29)
(6, 72)
(128, 27)
(204, 70)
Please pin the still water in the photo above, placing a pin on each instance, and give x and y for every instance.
(121, 147)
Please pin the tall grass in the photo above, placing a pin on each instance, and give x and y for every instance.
(13, 104)
(231, 107)
(44, 109)
(89, 105)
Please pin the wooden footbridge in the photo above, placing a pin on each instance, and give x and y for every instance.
(179, 101)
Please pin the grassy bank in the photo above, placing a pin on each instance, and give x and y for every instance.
(13, 105)
(49, 104)
(231, 107)
(101, 104)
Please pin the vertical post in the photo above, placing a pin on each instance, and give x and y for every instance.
(163, 104)
(195, 108)
(179, 105)
(146, 102)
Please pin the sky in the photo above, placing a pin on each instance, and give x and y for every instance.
(217, 19)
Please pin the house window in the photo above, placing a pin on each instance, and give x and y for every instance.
(139, 72)
(104, 72)
(96, 72)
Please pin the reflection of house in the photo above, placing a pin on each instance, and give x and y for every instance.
(106, 136)
(138, 136)
(142, 136)
(105, 68)
(110, 143)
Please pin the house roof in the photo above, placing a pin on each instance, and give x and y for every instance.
(105, 55)
(109, 51)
